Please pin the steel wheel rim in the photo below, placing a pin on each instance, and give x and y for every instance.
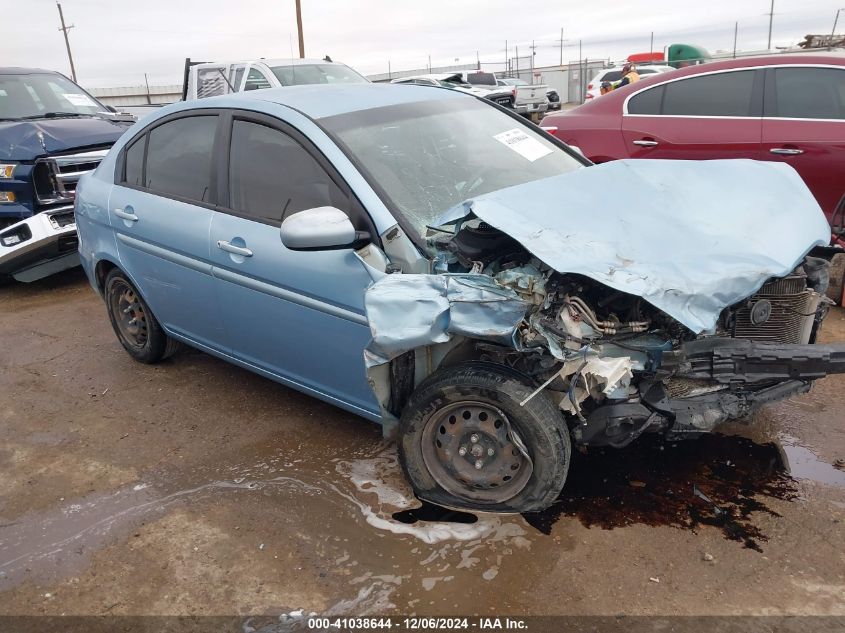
(472, 451)
(129, 315)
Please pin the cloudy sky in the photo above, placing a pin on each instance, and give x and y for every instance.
(115, 42)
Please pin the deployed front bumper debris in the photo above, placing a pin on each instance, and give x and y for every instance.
(738, 362)
(38, 246)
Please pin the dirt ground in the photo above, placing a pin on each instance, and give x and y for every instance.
(194, 487)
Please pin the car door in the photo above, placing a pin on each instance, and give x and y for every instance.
(296, 315)
(804, 126)
(161, 209)
(716, 115)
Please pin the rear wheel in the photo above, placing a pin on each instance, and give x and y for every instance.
(134, 323)
(466, 442)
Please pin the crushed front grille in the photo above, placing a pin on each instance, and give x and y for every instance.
(56, 177)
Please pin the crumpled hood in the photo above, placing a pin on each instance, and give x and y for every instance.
(690, 237)
(19, 140)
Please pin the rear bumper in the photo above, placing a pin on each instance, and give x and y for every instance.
(531, 108)
(39, 245)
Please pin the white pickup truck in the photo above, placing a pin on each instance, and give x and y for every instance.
(529, 99)
(209, 79)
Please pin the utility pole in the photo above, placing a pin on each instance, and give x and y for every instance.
(64, 29)
(533, 52)
(429, 64)
(771, 18)
(651, 46)
(736, 30)
(389, 74)
(833, 30)
(507, 61)
(580, 73)
(561, 46)
(299, 29)
(147, 81)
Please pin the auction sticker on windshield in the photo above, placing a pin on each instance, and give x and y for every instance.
(78, 100)
(527, 147)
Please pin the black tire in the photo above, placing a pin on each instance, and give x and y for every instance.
(144, 341)
(466, 392)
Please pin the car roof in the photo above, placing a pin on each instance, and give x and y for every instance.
(318, 101)
(14, 70)
(608, 101)
(282, 61)
(434, 76)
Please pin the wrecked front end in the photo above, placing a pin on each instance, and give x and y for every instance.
(625, 332)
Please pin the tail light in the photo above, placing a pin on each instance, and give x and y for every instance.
(588, 96)
(589, 86)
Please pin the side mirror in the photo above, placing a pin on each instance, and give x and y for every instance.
(322, 228)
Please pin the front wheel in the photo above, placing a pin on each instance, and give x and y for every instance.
(134, 323)
(465, 441)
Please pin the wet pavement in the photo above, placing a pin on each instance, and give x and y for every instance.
(196, 487)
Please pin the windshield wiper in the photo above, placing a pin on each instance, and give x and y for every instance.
(53, 115)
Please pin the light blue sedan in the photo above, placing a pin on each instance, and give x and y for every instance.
(407, 253)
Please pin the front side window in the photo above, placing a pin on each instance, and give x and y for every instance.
(306, 74)
(411, 152)
(272, 176)
(179, 157)
(721, 94)
(810, 93)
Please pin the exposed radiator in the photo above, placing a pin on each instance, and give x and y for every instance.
(791, 309)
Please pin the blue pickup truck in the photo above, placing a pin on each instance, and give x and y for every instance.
(51, 132)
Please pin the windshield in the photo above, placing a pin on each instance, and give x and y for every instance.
(43, 94)
(306, 74)
(432, 155)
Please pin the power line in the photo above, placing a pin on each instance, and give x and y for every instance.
(64, 29)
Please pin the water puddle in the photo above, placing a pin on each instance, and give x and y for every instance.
(804, 464)
(431, 512)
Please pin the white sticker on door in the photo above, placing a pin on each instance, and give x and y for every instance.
(79, 100)
(527, 147)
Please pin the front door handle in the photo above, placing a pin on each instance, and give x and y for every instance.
(646, 143)
(786, 151)
(131, 217)
(223, 245)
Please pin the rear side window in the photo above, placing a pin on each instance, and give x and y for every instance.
(722, 94)
(272, 176)
(646, 102)
(612, 75)
(134, 175)
(256, 80)
(179, 157)
(810, 93)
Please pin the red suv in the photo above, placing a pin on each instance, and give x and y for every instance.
(783, 108)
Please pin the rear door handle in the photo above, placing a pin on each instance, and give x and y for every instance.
(131, 217)
(231, 248)
(645, 143)
(786, 151)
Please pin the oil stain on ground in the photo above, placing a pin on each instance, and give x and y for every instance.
(717, 480)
